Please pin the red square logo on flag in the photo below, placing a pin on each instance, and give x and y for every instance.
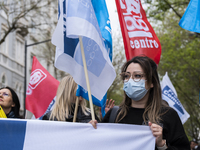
(37, 76)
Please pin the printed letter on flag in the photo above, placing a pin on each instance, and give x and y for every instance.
(77, 18)
(138, 35)
(169, 94)
(191, 18)
(41, 90)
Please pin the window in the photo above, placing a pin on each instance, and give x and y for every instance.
(4, 45)
(19, 51)
(3, 81)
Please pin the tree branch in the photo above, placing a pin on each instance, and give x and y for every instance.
(173, 9)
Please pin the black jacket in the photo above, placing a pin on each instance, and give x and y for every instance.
(173, 130)
(11, 114)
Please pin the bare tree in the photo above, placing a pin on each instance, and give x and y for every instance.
(20, 16)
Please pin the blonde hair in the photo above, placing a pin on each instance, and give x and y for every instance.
(65, 97)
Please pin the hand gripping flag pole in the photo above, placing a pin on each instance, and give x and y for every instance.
(86, 77)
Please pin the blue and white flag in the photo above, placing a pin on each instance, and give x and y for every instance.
(102, 16)
(101, 103)
(16, 134)
(191, 18)
(103, 19)
(77, 18)
(169, 94)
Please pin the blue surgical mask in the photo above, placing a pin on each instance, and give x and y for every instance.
(135, 90)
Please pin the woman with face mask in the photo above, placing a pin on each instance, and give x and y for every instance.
(9, 102)
(142, 105)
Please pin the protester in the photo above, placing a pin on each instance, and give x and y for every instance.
(9, 102)
(142, 105)
(193, 145)
(65, 103)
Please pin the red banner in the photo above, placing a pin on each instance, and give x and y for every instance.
(41, 90)
(138, 35)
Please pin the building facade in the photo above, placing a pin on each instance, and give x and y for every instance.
(34, 27)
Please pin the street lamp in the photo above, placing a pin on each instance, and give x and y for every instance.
(25, 69)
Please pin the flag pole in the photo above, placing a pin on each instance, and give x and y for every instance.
(75, 109)
(87, 79)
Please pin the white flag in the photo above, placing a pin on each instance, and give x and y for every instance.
(77, 18)
(169, 94)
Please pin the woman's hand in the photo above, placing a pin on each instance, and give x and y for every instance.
(109, 104)
(157, 132)
(94, 123)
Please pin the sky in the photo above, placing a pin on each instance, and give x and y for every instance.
(112, 10)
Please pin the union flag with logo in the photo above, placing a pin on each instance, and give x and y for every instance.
(138, 35)
(41, 90)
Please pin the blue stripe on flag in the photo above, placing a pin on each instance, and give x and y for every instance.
(70, 45)
(12, 134)
(101, 103)
(82, 92)
(172, 96)
(58, 9)
(103, 19)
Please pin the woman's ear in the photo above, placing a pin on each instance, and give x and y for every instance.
(151, 85)
(13, 105)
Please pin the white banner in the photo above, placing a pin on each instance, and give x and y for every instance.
(53, 135)
(169, 94)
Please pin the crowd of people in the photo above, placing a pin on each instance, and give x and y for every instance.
(142, 105)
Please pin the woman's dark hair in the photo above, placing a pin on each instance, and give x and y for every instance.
(15, 99)
(153, 106)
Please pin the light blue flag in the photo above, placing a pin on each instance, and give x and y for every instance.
(191, 18)
(77, 18)
(103, 19)
(102, 15)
